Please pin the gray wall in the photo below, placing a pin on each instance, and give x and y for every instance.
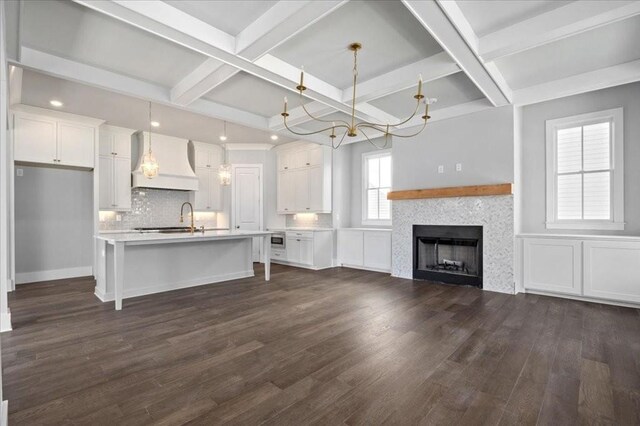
(54, 219)
(533, 153)
(357, 149)
(482, 142)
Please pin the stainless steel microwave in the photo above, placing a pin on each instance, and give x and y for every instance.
(278, 240)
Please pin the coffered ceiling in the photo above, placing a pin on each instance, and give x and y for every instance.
(237, 60)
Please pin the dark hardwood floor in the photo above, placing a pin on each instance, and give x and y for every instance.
(339, 346)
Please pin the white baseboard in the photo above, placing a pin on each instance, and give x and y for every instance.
(584, 299)
(5, 322)
(4, 413)
(365, 268)
(53, 274)
(300, 265)
(135, 292)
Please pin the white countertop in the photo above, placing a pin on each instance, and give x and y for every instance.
(150, 238)
(147, 231)
(582, 237)
(366, 229)
(300, 229)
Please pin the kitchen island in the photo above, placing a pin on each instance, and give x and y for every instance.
(136, 264)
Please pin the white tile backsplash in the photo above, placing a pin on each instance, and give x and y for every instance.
(494, 214)
(154, 207)
(308, 220)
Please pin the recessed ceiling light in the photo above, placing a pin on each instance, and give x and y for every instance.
(155, 124)
(274, 137)
(56, 103)
(223, 138)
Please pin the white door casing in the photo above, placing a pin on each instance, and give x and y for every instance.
(247, 201)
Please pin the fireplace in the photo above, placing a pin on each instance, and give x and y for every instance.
(450, 254)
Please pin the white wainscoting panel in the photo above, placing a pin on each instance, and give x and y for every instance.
(350, 244)
(377, 250)
(611, 270)
(553, 265)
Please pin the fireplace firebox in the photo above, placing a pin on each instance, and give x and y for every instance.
(450, 254)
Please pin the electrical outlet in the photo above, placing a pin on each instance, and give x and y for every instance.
(459, 167)
(19, 172)
(118, 218)
(440, 169)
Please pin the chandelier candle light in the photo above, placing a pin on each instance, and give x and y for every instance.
(149, 163)
(352, 129)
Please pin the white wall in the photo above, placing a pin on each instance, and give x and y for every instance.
(342, 201)
(54, 220)
(482, 142)
(533, 153)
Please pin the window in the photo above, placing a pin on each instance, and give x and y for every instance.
(585, 171)
(376, 167)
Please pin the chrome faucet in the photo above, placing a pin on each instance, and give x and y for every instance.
(193, 227)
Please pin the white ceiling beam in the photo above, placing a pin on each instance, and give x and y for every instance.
(15, 85)
(594, 80)
(436, 21)
(103, 79)
(462, 27)
(573, 18)
(298, 116)
(191, 33)
(432, 68)
(281, 22)
(449, 112)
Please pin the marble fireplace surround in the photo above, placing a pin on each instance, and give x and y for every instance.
(495, 215)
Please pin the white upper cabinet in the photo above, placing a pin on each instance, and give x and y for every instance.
(304, 179)
(114, 169)
(51, 137)
(76, 145)
(35, 139)
(207, 159)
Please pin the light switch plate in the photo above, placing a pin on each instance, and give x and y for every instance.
(440, 169)
(19, 172)
(459, 167)
(118, 218)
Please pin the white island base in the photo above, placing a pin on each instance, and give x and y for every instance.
(137, 264)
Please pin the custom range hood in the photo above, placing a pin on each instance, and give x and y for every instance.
(174, 170)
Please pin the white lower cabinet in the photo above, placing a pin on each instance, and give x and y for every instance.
(553, 265)
(365, 248)
(611, 270)
(593, 267)
(307, 249)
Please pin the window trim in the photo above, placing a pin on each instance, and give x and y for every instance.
(364, 186)
(615, 116)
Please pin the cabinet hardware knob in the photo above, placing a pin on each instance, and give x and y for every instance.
(308, 208)
(286, 168)
(308, 164)
(297, 239)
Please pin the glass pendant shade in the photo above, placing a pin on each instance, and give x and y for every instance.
(224, 172)
(149, 165)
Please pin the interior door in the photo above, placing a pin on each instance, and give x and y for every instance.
(247, 201)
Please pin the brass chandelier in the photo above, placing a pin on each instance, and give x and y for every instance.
(352, 129)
